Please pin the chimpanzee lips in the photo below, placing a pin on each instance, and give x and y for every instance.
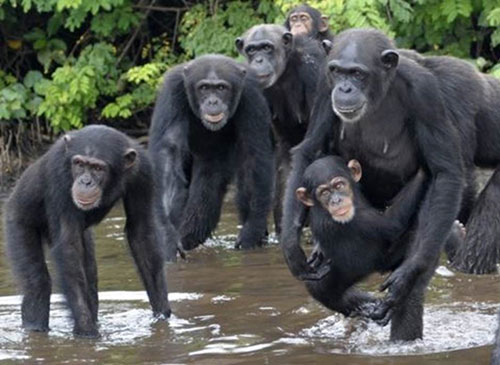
(340, 211)
(86, 201)
(216, 118)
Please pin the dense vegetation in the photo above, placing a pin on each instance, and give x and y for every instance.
(66, 63)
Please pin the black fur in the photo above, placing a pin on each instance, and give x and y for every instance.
(194, 165)
(296, 67)
(370, 242)
(402, 125)
(41, 209)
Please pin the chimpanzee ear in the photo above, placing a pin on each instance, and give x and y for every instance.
(327, 45)
(239, 43)
(390, 58)
(355, 168)
(304, 197)
(323, 24)
(66, 139)
(287, 38)
(130, 158)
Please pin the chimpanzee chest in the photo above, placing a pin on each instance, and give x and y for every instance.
(387, 154)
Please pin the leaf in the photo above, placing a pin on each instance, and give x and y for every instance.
(31, 78)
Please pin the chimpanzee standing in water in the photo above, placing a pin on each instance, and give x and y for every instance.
(288, 68)
(57, 200)
(387, 112)
(210, 123)
(305, 20)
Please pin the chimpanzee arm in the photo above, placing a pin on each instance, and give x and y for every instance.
(319, 135)
(256, 170)
(142, 236)
(437, 142)
(404, 206)
(170, 156)
(68, 251)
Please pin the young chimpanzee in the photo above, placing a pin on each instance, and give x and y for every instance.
(305, 20)
(210, 124)
(57, 200)
(354, 238)
(288, 68)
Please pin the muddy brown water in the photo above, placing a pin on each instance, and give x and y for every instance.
(234, 307)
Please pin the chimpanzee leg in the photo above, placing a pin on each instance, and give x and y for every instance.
(407, 318)
(91, 273)
(480, 253)
(495, 356)
(69, 254)
(25, 251)
(348, 301)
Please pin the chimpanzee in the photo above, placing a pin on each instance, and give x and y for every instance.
(211, 122)
(287, 68)
(57, 200)
(355, 238)
(306, 20)
(477, 118)
(388, 113)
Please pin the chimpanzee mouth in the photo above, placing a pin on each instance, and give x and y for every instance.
(215, 118)
(87, 202)
(342, 214)
(350, 113)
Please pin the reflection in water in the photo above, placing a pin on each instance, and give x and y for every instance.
(234, 307)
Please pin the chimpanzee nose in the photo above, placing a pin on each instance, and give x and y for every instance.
(259, 59)
(336, 200)
(345, 88)
(86, 180)
(213, 102)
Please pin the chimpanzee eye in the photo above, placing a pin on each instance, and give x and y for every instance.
(267, 48)
(339, 185)
(325, 193)
(221, 87)
(203, 87)
(358, 75)
(303, 18)
(251, 50)
(98, 168)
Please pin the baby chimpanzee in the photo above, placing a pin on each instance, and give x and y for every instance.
(354, 238)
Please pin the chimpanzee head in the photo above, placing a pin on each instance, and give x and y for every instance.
(304, 20)
(329, 184)
(361, 66)
(213, 85)
(97, 166)
(266, 48)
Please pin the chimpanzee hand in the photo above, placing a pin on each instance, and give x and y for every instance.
(302, 269)
(399, 285)
(250, 237)
(190, 241)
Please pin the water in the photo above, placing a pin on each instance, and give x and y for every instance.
(234, 307)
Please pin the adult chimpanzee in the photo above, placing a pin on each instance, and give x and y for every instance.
(387, 112)
(57, 200)
(287, 68)
(211, 122)
(305, 20)
(477, 118)
(356, 238)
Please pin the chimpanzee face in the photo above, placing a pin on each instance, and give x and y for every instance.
(89, 178)
(304, 20)
(331, 187)
(301, 23)
(214, 89)
(266, 48)
(359, 73)
(95, 167)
